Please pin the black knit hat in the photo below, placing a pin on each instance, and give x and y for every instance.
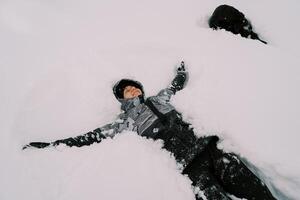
(119, 87)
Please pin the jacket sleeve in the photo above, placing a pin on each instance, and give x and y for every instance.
(176, 85)
(165, 95)
(89, 138)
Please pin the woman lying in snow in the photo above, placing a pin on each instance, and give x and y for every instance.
(213, 172)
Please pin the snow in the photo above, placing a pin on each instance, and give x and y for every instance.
(60, 59)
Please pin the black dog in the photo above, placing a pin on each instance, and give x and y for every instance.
(229, 18)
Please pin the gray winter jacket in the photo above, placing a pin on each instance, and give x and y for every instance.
(137, 116)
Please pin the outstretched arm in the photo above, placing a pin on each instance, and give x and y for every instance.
(89, 138)
(177, 84)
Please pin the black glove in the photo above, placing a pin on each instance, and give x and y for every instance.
(38, 145)
(179, 81)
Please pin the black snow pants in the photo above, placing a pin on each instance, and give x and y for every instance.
(217, 174)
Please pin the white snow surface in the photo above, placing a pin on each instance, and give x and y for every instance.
(60, 59)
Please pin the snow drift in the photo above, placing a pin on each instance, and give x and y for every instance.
(59, 60)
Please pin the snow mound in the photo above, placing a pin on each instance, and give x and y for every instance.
(127, 166)
(59, 60)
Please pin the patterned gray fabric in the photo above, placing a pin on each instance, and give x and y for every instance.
(136, 116)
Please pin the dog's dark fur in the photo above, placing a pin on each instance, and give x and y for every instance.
(229, 18)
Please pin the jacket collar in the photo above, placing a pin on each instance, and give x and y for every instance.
(127, 104)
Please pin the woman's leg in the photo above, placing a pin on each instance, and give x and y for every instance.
(201, 174)
(236, 177)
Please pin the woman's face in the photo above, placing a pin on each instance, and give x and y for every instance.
(131, 92)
